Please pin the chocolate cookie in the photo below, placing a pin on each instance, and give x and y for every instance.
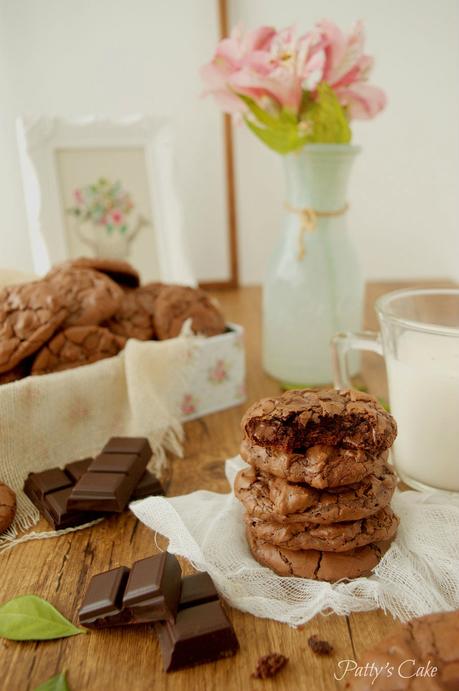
(29, 315)
(89, 296)
(429, 643)
(19, 372)
(77, 345)
(334, 537)
(7, 507)
(299, 419)
(176, 304)
(134, 316)
(320, 566)
(273, 499)
(118, 270)
(318, 466)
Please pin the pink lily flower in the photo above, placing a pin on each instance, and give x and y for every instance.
(270, 67)
(231, 56)
(347, 68)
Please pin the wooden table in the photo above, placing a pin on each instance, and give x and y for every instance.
(129, 659)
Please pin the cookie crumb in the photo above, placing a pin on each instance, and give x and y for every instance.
(269, 665)
(320, 647)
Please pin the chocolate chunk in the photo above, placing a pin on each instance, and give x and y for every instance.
(111, 480)
(199, 634)
(269, 665)
(137, 445)
(49, 491)
(149, 592)
(153, 589)
(103, 602)
(77, 469)
(112, 477)
(148, 486)
(320, 647)
(197, 590)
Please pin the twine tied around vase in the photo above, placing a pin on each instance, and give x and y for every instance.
(308, 222)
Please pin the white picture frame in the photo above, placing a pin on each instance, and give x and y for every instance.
(42, 139)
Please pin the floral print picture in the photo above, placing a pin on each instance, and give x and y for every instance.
(104, 203)
(106, 206)
(106, 210)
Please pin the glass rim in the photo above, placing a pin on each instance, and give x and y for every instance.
(382, 303)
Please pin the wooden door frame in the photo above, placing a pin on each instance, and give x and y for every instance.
(233, 281)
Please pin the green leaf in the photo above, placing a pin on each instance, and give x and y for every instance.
(281, 140)
(57, 683)
(30, 618)
(328, 118)
(261, 115)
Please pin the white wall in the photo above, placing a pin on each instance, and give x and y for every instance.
(116, 57)
(68, 57)
(404, 193)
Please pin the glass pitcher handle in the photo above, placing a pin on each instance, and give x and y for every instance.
(342, 343)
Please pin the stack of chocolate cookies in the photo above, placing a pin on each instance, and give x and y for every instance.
(318, 490)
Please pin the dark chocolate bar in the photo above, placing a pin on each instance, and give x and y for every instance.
(78, 468)
(197, 590)
(149, 592)
(50, 490)
(148, 485)
(200, 634)
(140, 446)
(103, 602)
(112, 477)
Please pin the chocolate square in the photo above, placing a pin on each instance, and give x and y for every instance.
(197, 590)
(77, 468)
(103, 599)
(148, 486)
(138, 445)
(199, 634)
(48, 481)
(149, 592)
(109, 482)
(153, 589)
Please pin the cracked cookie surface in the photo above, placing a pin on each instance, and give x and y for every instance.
(319, 466)
(118, 270)
(90, 297)
(75, 346)
(273, 499)
(134, 316)
(7, 507)
(333, 537)
(316, 564)
(176, 304)
(29, 315)
(432, 639)
(298, 419)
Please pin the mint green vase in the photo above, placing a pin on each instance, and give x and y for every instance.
(314, 286)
